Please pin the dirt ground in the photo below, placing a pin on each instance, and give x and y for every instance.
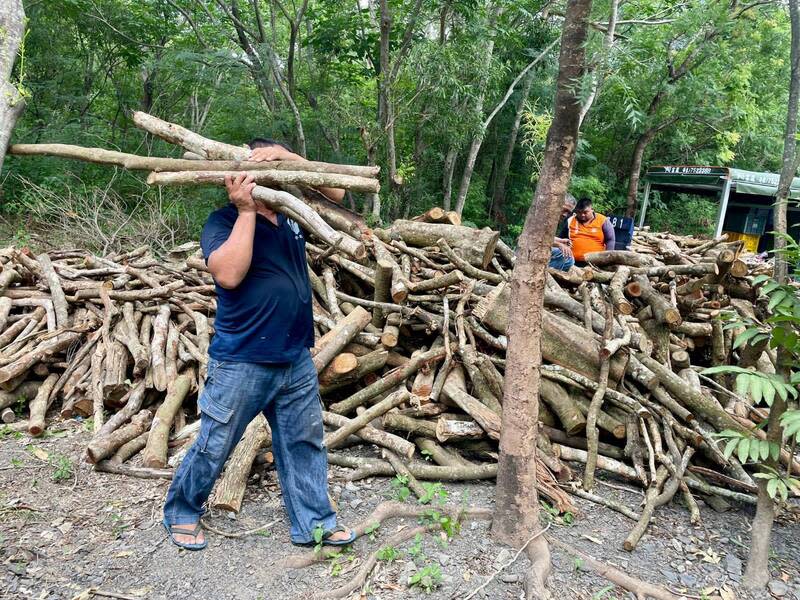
(65, 529)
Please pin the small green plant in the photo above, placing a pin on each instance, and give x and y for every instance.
(448, 524)
(19, 407)
(318, 534)
(427, 454)
(427, 578)
(88, 424)
(371, 529)
(578, 563)
(401, 490)
(416, 548)
(6, 431)
(63, 467)
(16, 463)
(602, 593)
(389, 554)
(556, 517)
(434, 493)
(339, 560)
(118, 524)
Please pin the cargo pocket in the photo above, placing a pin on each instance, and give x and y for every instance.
(215, 427)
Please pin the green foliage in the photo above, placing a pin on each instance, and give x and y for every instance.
(427, 578)
(371, 530)
(318, 534)
(778, 485)
(434, 493)
(389, 554)
(400, 486)
(552, 513)
(62, 467)
(415, 551)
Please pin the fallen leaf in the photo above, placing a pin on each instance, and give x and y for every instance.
(592, 539)
(39, 453)
(124, 554)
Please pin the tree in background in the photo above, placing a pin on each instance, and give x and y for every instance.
(516, 518)
(12, 102)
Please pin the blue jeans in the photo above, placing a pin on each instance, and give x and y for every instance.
(559, 261)
(234, 394)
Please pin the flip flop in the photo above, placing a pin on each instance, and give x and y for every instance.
(173, 529)
(328, 542)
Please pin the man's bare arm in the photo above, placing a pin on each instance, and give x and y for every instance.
(230, 262)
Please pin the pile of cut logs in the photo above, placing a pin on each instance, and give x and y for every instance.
(411, 322)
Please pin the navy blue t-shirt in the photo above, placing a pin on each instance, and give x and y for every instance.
(268, 317)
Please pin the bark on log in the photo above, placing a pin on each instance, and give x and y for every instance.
(268, 178)
(103, 446)
(378, 410)
(333, 342)
(158, 343)
(485, 417)
(372, 435)
(56, 293)
(156, 163)
(230, 489)
(155, 454)
(476, 246)
(388, 381)
(44, 349)
(618, 257)
(563, 405)
(39, 405)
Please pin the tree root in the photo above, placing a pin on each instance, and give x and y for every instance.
(642, 589)
(383, 512)
(535, 583)
(509, 563)
(369, 564)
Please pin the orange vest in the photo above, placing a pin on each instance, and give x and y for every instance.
(586, 237)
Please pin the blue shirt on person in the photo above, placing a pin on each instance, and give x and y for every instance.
(268, 317)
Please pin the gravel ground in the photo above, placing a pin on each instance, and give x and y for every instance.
(93, 530)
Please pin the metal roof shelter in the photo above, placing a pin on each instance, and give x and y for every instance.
(734, 187)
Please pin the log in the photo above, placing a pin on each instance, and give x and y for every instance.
(663, 311)
(388, 381)
(375, 411)
(618, 257)
(391, 330)
(563, 405)
(466, 267)
(129, 449)
(269, 177)
(229, 493)
(448, 430)
(476, 246)
(44, 349)
(280, 201)
(333, 342)
(698, 402)
(484, 416)
(103, 446)
(370, 467)
(155, 454)
(39, 405)
(372, 435)
(56, 293)
(616, 291)
(158, 344)
(400, 422)
(440, 455)
(156, 163)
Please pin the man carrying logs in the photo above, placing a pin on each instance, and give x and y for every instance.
(259, 362)
(589, 231)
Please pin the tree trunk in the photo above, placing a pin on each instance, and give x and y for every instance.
(385, 107)
(635, 169)
(789, 166)
(516, 517)
(447, 176)
(12, 25)
(497, 208)
(756, 574)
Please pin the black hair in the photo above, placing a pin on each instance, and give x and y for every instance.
(266, 143)
(583, 204)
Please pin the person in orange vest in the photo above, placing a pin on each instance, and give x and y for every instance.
(589, 231)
